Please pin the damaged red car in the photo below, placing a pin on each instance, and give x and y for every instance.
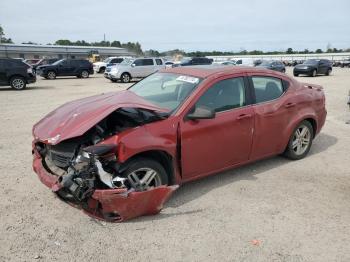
(120, 155)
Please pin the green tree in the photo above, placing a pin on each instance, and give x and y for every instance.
(3, 39)
(318, 51)
(290, 51)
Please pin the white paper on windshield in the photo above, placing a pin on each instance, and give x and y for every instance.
(188, 79)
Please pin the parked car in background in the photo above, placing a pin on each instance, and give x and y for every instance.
(138, 68)
(15, 73)
(194, 61)
(245, 62)
(313, 67)
(175, 126)
(273, 65)
(80, 68)
(229, 62)
(100, 67)
(169, 64)
(44, 61)
(345, 63)
(31, 61)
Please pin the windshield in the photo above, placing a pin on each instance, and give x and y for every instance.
(311, 62)
(166, 90)
(58, 62)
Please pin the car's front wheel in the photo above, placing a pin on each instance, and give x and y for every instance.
(314, 73)
(300, 141)
(125, 77)
(328, 72)
(51, 75)
(295, 74)
(145, 173)
(84, 74)
(18, 83)
(101, 70)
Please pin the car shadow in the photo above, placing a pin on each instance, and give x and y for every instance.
(28, 88)
(191, 191)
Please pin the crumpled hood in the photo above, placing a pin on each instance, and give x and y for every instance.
(74, 118)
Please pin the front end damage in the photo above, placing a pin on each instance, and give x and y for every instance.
(85, 172)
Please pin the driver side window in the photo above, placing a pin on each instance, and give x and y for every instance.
(224, 95)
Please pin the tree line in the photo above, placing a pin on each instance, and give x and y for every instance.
(137, 49)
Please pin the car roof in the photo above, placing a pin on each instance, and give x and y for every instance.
(205, 71)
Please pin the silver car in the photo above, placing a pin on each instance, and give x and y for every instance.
(137, 68)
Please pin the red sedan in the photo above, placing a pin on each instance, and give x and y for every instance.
(120, 155)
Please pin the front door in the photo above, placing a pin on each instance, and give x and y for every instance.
(210, 145)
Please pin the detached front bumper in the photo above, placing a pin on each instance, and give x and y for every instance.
(113, 205)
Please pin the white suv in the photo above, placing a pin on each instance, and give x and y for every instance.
(138, 68)
(100, 67)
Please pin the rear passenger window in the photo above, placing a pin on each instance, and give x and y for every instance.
(224, 95)
(267, 88)
(147, 62)
(159, 61)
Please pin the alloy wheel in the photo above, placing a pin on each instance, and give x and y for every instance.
(125, 78)
(84, 74)
(51, 75)
(18, 84)
(144, 178)
(301, 140)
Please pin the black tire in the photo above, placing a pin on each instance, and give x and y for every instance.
(295, 74)
(313, 73)
(18, 83)
(51, 75)
(125, 78)
(101, 70)
(140, 163)
(328, 72)
(84, 74)
(290, 150)
(283, 70)
(114, 80)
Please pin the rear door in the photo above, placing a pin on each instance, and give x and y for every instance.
(210, 145)
(143, 67)
(273, 109)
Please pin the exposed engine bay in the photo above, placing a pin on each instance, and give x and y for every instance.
(83, 165)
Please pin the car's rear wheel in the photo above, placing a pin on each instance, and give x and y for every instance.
(18, 83)
(145, 173)
(51, 75)
(328, 72)
(84, 74)
(300, 141)
(125, 77)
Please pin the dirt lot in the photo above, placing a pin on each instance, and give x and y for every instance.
(296, 211)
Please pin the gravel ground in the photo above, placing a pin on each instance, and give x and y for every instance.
(273, 210)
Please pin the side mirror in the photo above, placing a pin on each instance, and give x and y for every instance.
(201, 112)
(133, 65)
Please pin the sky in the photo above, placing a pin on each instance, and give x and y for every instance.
(204, 25)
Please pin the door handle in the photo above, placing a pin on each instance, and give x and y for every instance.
(244, 116)
(288, 105)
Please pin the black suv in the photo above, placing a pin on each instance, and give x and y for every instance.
(195, 61)
(15, 73)
(313, 67)
(80, 68)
